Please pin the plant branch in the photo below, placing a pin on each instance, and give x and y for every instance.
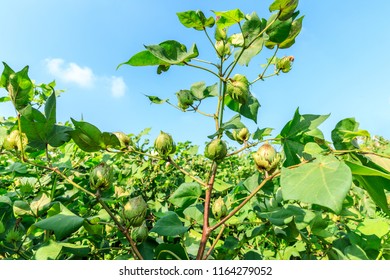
(206, 213)
(215, 242)
(202, 68)
(261, 76)
(171, 161)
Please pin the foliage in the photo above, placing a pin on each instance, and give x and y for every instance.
(304, 197)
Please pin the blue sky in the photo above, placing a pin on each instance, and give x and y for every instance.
(341, 63)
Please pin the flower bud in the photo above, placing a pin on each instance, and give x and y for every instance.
(134, 211)
(266, 158)
(238, 88)
(220, 34)
(219, 209)
(101, 176)
(164, 144)
(13, 236)
(216, 150)
(15, 141)
(284, 64)
(222, 48)
(241, 135)
(124, 139)
(185, 99)
(140, 233)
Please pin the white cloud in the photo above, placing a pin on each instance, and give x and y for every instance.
(84, 77)
(70, 72)
(118, 87)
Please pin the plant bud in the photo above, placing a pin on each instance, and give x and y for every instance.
(185, 99)
(13, 141)
(101, 176)
(13, 236)
(222, 48)
(241, 135)
(220, 34)
(134, 211)
(124, 139)
(140, 233)
(266, 158)
(164, 144)
(238, 88)
(219, 209)
(216, 150)
(284, 64)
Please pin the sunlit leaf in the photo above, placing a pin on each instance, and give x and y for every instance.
(325, 181)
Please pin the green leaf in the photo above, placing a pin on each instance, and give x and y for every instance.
(21, 208)
(228, 18)
(375, 187)
(358, 169)
(48, 251)
(169, 225)
(296, 27)
(144, 58)
(50, 111)
(249, 52)
(172, 52)
(167, 251)
(63, 224)
(355, 252)
(378, 227)
(39, 203)
(279, 30)
(186, 194)
(201, 91)
(325, 181)
(58, 136)
(5, 99)
(156, 99)
(87, 136)
(298, 132)
(287, 214)
(109, 140)
(249, 109)
(286, 8)
(19, 86)
(261, 133)
(340, 138)
(195, 19)
(252, 28)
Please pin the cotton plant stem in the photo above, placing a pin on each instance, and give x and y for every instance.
(215, 242)
(206, 213)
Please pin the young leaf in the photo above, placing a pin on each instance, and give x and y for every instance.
(286, 8)
(172, 52)
(228, 18)
(248, 110)
(186, 194)
(296, 27)
(252, 28)
(169, 225)
(279, 30)
(325, 181)
(339, 135)
(19, 86)
(156, 99)
(195, 19)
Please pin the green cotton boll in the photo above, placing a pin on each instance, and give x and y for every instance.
(101, 176)
(216, 150)
(134, 211)
(164, 144)
(266, 158)
(139, 234)
(285, 64)
(238, 88)
(219, 208)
